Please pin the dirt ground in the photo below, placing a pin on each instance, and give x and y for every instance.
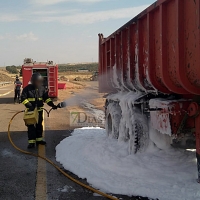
(71, 76)
(97, 99)
(80, 88)
(4, 77)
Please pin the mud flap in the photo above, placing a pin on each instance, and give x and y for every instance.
(194, 111)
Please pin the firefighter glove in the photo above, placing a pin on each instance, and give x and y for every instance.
(28, 105)
(54, 107)
(31, 108)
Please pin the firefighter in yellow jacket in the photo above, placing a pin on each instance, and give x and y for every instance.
(34, 95)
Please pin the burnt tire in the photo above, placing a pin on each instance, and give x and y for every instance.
(113, 116)
(139, 138)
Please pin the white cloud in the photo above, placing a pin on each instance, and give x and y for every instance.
(73, 16)
(45, 12)
(92, 17)
(9, 18)
(52, 2)
(53, 12)
(27, 36)
(4, 37)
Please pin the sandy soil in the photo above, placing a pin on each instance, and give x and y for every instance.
(72, 75)
(4, 77)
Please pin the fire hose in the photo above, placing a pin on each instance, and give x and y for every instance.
(52, 163)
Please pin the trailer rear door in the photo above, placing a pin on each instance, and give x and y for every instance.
(26, 74)
(52, 81)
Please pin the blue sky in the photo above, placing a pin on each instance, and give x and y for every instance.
(64, 31)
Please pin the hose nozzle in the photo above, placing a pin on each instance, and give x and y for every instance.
(62, 105)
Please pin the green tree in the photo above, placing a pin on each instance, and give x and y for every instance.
(12, 69)
(20, 72)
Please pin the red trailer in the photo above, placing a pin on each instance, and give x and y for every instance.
(48, 70)
(155, 60)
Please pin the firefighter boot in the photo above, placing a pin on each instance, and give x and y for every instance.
(31, 146)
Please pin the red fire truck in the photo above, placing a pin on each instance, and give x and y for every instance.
(48, 70)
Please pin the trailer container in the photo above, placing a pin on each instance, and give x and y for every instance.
(48, 70)
(151, 69)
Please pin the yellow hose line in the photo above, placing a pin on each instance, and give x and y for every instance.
(49, 161)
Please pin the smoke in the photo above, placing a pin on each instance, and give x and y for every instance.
(79, 99)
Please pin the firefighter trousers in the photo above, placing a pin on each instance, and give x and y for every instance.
(35, 131)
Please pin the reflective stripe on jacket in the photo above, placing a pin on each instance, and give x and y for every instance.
(35, 97)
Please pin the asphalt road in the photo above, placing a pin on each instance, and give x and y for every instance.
(6, 89)
(19, 172)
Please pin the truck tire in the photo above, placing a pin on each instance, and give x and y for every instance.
(113, 116)
(139, 139)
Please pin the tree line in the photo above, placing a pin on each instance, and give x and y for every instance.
(13, 69)
(92, 67)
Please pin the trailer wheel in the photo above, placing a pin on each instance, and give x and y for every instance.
(139, 139)
(113, 116)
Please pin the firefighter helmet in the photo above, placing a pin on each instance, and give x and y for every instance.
(36, 77)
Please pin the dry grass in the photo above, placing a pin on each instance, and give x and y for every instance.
(72, 75)
(5, 76)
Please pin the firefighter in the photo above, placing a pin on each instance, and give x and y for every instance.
(18, 85)
(33, 96)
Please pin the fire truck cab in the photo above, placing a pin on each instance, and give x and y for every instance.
(48, 70)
